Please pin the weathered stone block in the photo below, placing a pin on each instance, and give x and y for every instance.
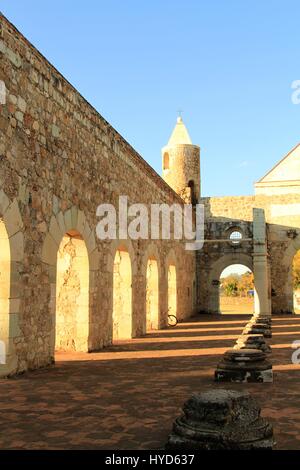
(252, 342)
(244, 365)
(219, 420)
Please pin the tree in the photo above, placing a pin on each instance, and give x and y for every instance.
(246, 283)
(229, 285)
(236, 284)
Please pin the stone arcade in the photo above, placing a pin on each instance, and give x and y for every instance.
(63, 288)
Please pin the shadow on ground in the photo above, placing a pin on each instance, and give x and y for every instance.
(127, 396)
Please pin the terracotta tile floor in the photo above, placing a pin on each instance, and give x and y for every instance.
(127, 396)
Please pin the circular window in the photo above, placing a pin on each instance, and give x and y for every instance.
(235, 237)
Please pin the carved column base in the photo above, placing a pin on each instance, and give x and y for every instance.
(221, 419)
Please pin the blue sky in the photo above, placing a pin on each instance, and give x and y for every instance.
(228, 65)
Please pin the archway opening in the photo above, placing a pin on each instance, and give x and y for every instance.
(152, 295)
(166, 161)
(296, 282)
(191, 185)
(122, 296)
(236, 290)
(5, 262)
(72, 294)
(172, 291)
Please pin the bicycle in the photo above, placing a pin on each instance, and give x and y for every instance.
(172, 320)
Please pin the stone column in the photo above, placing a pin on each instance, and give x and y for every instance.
(260, 263)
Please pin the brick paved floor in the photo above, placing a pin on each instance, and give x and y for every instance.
(127, 396)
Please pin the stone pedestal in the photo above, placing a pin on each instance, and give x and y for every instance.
(264, 318)
(244, 365)
(221, 419)
(257, 329)
(261, 321)
(252, 342)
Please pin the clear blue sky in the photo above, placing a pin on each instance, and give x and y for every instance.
(228, 64)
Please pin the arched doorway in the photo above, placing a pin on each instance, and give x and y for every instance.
(172, 290)
(5, 262)
(72, 294)
(166, 161)
(236, 290)
(152, 295)
(122, 295)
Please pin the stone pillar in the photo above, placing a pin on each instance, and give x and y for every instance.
(260, 264)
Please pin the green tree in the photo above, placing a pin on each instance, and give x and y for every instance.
(236, 284)
(229, 286)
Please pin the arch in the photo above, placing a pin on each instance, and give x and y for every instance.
(74, 223)
(5, 267)
(172, 290)
(215, 272)
(122, 295)
(152, 295)
(72, 294)
(113, 247)
(296, 282)
(287, 267)
(11, 260)
(172, 277)
(236, 290)
(191, 185)
(152, 281)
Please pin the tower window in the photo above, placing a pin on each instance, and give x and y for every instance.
(191, 185)
(166, 162)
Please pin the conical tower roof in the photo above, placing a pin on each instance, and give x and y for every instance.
(180, 134)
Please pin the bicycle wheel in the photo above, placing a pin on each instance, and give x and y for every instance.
(172, 320)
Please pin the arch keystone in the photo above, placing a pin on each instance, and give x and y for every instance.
(74, 216)
(68, 220)
(80, 222)
(61, 223)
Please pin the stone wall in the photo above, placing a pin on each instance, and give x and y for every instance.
(59, 159)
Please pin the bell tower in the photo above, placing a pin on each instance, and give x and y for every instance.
(181, 164)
